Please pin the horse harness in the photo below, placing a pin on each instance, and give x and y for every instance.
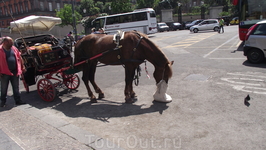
(117, 38)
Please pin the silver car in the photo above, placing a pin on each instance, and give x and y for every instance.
(255, 43)
(209, 24)
(161, 27)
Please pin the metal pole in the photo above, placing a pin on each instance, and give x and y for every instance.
(74, 21)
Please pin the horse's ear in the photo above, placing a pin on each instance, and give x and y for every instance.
(172, 62)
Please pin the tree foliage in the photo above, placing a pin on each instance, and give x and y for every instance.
(66, 15)
(121, 6)
(147, 3)
(88, 8)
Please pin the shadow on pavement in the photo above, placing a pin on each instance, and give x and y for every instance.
(248, 64)
(82, 107)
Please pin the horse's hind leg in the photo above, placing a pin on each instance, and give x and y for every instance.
(92, 80)
(85, 78)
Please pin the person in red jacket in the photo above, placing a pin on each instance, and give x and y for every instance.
(11, 66)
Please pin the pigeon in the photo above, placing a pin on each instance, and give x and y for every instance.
(246, 101)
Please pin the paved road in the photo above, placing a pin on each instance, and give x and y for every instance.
(210, 81)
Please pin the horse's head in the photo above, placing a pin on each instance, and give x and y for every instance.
(168, 71)
(163, 67)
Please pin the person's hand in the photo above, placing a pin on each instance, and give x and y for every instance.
(24, 69)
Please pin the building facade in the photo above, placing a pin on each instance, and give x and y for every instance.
(17, 9)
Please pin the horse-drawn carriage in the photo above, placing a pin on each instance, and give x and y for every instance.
(44, 55)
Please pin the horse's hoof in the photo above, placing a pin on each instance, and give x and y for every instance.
(133, 95)
(93, 100)
(101, 96)
(129, 101)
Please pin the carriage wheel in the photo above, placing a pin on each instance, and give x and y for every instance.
(46, 90)
(71, 81)
(25, 84)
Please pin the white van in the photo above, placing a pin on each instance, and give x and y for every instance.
(209, 24)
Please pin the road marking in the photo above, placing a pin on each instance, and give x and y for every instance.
(250, 82)
(235, 45)
(188, 42)
(162, 38)
(206, 55)
(227, 58)
(250, 75)
(231, 80)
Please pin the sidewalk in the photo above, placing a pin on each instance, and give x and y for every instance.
(25, 127)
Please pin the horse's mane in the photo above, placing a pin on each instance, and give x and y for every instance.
(157, 51)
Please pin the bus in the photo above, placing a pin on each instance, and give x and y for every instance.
(143, 20)
(250, 12)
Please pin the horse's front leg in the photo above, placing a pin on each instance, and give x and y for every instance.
(129, 93)
(85, 78)
(92, 80)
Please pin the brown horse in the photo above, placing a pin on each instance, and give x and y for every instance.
(136, 47)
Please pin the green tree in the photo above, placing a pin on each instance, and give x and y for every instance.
(100, 5)
(147, 3)
(107, 8)
(88, 8)
(66, 16)
(121, 6)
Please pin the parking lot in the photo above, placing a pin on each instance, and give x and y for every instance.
(211, 78)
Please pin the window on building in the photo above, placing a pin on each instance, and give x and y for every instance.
(1, 12)
(6, 12)
(58, 6)
(31, 5)
(26, 6)
(21, 8)
(42, 6)
(16, 8)
(50, 6)
(10, 9)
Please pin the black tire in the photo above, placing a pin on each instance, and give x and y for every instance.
(195, 30)
(255, 56)
(216, 29)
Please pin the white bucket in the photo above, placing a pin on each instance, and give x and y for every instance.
(160, 94)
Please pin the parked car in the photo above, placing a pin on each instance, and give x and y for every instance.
(234, 21)
(255, 45)
(161, 27)
(209, 24)
(195, 22)
(175, 25)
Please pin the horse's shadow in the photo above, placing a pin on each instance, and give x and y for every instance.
(103, 110)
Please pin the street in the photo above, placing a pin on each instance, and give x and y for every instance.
(211, 78)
